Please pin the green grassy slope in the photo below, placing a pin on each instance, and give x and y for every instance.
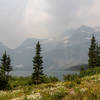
(88, 88)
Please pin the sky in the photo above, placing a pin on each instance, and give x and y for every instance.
(22, 19)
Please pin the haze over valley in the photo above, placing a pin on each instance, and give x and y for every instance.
(70, 49)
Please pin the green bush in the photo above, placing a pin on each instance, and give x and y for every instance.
(71, 77)
(69, 84)
(53, 79)
(90, 72)
(16, 82)
(50, 79)
(77, 78)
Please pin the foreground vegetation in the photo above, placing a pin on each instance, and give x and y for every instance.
(85, 86)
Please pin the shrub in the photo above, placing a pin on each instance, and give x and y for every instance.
(69, 84)
(53, 79)
(16, 82)
(77, 78)
(71, 77)
(50, 79)
(90, 72)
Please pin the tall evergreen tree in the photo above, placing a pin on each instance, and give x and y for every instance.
(97, 55)
(92, 53)
(5, 67)
(9, 67)
(37, 76)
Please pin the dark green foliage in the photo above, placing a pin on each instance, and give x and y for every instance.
(50, 79)
(92, 53)
(77, 77)
(72, 77)
(3, 84)
(9, 67)
(82, 69)
(90, 72)
(17, 82)
(53, 79)
(37, 76)
(5, 68)
(97, 55)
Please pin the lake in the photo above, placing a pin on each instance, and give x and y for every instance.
(58, 74)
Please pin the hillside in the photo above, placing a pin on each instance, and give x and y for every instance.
(77, 67)
(85, 88)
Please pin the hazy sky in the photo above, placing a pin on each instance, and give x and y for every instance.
(21, 19)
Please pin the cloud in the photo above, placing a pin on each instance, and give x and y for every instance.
(21, 19)
(36, 18)
(19, 66)
(11, 15)
(91, 15)
(49, 18)
(66, 13)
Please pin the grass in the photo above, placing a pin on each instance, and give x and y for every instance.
(83, 88)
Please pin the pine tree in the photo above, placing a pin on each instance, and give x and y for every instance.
(37, 76)
(9, 67)
(5, 67)
(97, 55)
(92, 53)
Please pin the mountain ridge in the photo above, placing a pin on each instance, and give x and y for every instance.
(66, 50)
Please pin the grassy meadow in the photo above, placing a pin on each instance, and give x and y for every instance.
(85, 86)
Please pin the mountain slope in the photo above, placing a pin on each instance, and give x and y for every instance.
(70, 49)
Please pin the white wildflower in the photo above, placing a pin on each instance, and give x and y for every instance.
(83, 89)
(36, 96)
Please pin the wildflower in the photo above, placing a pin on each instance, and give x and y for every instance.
(36, 96)
(83, 89)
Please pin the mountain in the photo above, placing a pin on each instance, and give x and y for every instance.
(3, 48)
(77, 67)
(69, 49)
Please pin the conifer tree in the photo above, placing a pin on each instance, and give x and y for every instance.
(97, 55)
(92, 53)
(37, 75)
(5, 67)
(9, 67)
